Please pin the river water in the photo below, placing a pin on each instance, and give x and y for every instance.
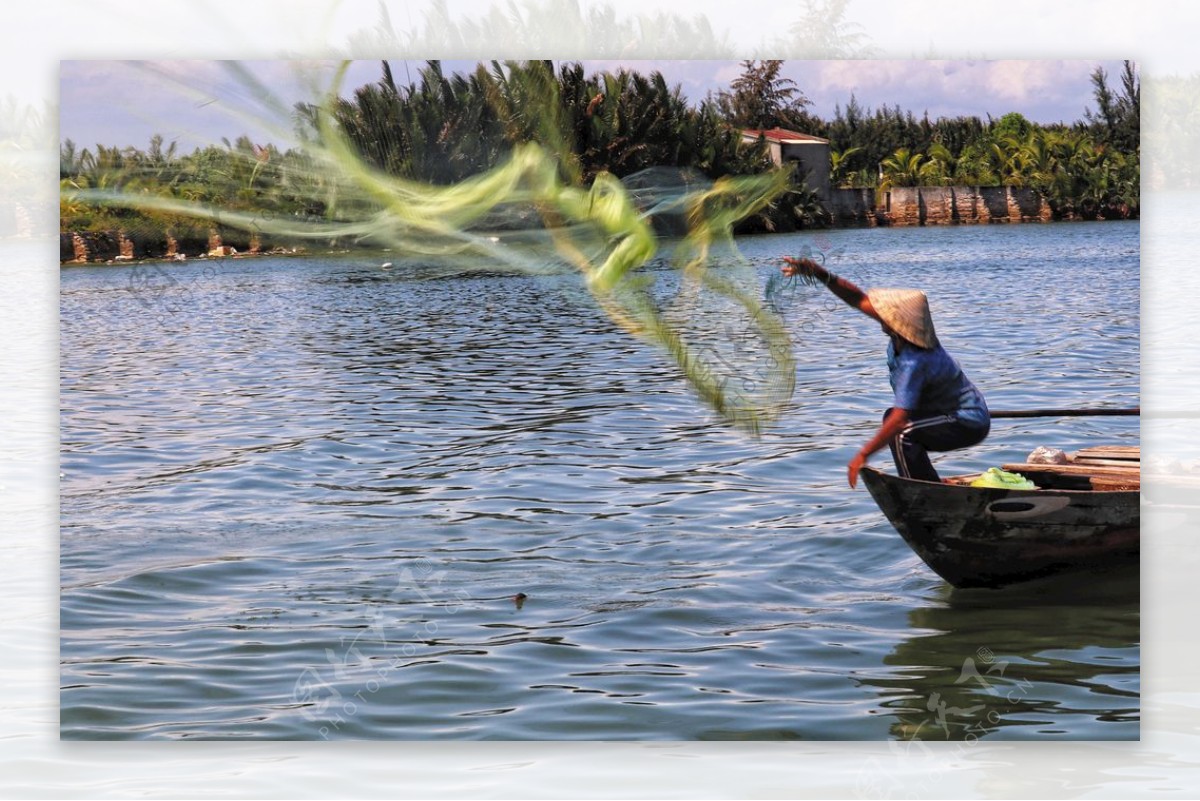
(311, 498)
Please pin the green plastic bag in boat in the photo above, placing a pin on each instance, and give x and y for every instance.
(1000, 479)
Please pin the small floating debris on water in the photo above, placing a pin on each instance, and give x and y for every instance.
(519, 599)
(387, 265)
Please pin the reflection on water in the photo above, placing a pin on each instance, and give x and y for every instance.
(300, 496)
(983, 662)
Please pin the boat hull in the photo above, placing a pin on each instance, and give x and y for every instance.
(984, 537)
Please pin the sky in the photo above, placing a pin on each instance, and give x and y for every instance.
(193, 103)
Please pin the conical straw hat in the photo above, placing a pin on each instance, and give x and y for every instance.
(905, 311)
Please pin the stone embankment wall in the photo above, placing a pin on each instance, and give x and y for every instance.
(947, 205)
(112, 246)
(909, 205)
(850, 207)
(938, 205)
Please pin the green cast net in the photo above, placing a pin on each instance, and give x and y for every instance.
(708, 319)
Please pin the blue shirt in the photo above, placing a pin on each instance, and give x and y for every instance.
(928, 381)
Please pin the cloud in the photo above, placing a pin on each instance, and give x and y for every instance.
(1016, 81)
(196, 102)
(1043, 90)
(696, 78)
(120, 103)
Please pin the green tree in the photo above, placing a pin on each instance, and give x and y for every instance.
(1012, 126)
(839, 174)
(1117, 121)
(943, 165)
(906, 168)
(759, 98)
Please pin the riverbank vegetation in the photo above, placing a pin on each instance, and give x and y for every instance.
(1088, 170)
(441, 129)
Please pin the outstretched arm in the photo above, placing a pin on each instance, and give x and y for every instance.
(843, 289)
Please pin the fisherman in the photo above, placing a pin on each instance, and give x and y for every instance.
(937, 408)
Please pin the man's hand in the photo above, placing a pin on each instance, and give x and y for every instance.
(893, 423)
(804, 268)
(856, 464)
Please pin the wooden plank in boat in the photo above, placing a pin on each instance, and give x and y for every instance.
(1130, 452)
(1074, 469)
(1105, 483)
(1078, 477)
(1090, 460)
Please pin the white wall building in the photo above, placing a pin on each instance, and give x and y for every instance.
(812, 153)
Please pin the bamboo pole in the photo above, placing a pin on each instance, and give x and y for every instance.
(1006, 413)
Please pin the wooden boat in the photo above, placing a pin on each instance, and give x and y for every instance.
(1084, 515)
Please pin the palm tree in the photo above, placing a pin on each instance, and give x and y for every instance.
(636, 122)
(68, 160)
(839, 160)
(942, 167)
(1002, 158)
(905, 168)
(1039, 164)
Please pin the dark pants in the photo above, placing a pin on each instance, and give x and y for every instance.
(943, 432)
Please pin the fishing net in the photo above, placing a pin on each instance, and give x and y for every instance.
(533, 212)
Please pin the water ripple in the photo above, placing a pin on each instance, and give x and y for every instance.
(316, 501)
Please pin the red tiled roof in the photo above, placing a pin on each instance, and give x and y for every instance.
(781, 135)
